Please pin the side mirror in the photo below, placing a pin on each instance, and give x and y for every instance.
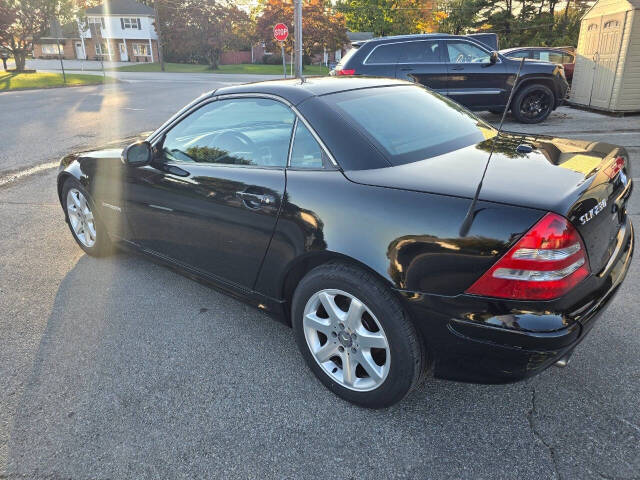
(137, 154)
(493, 58)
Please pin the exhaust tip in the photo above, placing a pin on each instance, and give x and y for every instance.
(564, 361)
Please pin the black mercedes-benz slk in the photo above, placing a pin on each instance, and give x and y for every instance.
(345, 207)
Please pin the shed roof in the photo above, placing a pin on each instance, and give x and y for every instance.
(605, 7)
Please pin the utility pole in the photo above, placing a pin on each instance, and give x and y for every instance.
(157, 22)
(297, 14)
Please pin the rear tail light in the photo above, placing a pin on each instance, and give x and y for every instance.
(547, 262)
(347, 71)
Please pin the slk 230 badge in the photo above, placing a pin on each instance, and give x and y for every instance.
(593, 212)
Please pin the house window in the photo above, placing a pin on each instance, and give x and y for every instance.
(130, 23)
(52, 50)
(95, 25)
(102, 48)
(141, 50)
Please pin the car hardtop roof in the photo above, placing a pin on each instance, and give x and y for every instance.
(413, 36)
(296, 91)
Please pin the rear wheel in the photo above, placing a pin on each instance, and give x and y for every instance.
(533, 104)
(84, 224)
(355, 336)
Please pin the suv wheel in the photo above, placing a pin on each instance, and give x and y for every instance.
(533, 104)
(355, 336)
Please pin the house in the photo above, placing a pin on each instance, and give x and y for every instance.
(117, 30)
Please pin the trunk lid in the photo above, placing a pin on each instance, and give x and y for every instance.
(576, 179)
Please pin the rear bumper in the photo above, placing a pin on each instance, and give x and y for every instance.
(490, 341)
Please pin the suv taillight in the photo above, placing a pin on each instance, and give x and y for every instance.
(547, 262)
(346, 71)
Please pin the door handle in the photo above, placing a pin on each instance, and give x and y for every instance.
(406, 69)
(256, 200)
(457, 67)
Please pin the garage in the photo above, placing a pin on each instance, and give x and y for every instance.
(607, 71)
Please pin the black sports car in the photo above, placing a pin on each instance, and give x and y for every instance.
(339, 205)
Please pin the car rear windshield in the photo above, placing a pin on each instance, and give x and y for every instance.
(410, 123)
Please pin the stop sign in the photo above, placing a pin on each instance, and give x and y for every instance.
(280, 32)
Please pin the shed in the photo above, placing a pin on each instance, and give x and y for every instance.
(607, 71)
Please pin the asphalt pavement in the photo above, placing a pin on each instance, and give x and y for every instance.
(120, 368)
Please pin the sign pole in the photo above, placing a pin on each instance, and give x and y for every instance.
(284, 65)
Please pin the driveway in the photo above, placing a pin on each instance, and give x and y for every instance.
(120, 368)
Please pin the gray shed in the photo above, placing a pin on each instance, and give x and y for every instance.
(607, 70)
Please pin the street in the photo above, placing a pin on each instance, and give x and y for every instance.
(122, 368)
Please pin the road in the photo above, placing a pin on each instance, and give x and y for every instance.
(121, 368)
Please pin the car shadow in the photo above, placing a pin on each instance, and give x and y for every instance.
(141, 372)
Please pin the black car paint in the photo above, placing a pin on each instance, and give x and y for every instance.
(491, 82)
(400, 222)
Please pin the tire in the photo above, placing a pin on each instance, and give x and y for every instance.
(81, 214)
(533, 103)
(379, 377)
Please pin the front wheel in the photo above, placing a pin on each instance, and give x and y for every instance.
(355, 336)
(85, 226)
(533, 104)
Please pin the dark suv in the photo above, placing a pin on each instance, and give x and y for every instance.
(463, 69)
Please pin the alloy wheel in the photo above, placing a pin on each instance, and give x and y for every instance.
(81, 217)
(535, 104)
(346, 340)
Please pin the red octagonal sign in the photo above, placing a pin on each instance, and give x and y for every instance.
(280, 32)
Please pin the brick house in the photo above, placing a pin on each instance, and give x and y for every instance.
(117, 30)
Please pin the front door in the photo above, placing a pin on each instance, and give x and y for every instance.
(124, 57)
(422, 62)
(80, 51)
(473, 80)
(607, 59)
(209, 200)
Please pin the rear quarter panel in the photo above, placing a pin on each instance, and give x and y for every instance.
(408, 238)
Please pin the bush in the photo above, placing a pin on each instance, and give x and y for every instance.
(272, 59)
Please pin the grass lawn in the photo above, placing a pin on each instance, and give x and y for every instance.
(251, 68)
(15, 81)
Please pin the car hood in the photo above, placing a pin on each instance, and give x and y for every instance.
(111, 150)
(549, 178)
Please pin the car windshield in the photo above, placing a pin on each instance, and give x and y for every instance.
(410, 123)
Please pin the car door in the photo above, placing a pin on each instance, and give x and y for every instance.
(210, 198)
(472, 79)
(422, 62)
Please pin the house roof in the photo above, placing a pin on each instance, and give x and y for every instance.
(359, 36)
(121, 7)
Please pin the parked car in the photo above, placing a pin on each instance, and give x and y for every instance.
(463, 69)
(337, 204)
(546, 54)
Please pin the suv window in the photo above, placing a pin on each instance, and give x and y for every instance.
(420, 52)
(523, 54)
(241, 131)
(306, 151)
(386, 53)
(466, 52)
(548, 56)
(409, 123)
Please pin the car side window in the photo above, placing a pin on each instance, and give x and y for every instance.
(306, 151)
(466, 52)
(421, 52)
(239, 131)
(525, 54)
(385, 54)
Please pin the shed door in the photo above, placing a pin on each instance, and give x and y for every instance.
(586, 61)
(607, 59)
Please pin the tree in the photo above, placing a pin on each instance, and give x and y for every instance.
(200, 31)
(23, 22)
(389, 17)
(322, 27)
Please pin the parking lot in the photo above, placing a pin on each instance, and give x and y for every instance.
(121, 368)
